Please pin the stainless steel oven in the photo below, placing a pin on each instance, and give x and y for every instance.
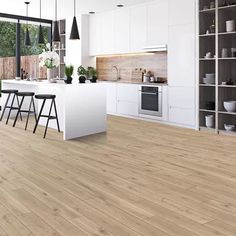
(150, 100)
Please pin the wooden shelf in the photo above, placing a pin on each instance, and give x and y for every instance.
(226, 86)
(226, 58)
(205, 110)
(227, 33)
(207, 35)
(206, 59)
(210, 10)
(207, 85)
(227, 113)
(230, 7)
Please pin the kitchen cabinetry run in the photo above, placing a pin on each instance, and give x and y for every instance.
(129, 30)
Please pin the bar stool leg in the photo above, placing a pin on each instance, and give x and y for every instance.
(34, 110)
(50, 110)
(28, 114)
(18, 103)
(9, 113)
(58, 127)
(18, 112)
(4, 109)
(40, 113)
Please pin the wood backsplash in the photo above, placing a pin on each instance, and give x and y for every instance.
(155, 62)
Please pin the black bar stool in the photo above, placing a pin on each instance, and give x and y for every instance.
(45, 97)
(10, 106)
(20, 110)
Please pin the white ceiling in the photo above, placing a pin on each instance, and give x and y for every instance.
(83, 6)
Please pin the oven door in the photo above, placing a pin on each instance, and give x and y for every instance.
(150, 101)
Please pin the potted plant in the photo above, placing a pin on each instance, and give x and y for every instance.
(92, 73)
(82, 73)
(68, 72)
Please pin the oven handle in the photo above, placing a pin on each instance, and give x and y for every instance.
(149, 93)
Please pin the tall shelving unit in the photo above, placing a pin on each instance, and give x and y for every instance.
(212, 37)
(61, 49)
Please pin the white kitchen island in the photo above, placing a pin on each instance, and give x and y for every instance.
(81, 107)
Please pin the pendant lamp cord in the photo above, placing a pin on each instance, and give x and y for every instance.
(55, 10)
(40, 9)
(74, 7)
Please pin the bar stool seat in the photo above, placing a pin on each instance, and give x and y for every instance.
(9, 91)
(10, 106)
(25, 94)
(20, 110)
(46, 97)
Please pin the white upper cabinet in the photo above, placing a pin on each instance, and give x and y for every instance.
(94, 35)
(107, 31)
(138, 27)
(157, 23)
(181, 12)
(181, 55)
(122, 30)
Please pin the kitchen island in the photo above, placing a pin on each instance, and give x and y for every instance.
(81, 107)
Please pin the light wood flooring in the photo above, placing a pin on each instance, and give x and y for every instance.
(139, 179)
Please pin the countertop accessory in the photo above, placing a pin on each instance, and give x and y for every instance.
(82, 73)
(68, 72)
(208, 80)
(229, 127)
(230, 25)
(224, 52)
(209, 120)
(230, 106)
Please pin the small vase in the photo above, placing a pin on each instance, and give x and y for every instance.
(68, 80)
(49, 74)
(82, 79)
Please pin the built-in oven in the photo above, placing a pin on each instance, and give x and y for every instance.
(150, 100)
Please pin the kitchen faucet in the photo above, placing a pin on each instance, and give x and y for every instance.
(117, 72)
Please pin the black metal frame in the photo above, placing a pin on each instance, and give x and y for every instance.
(24, 18)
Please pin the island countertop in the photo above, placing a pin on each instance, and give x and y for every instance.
(81, 107)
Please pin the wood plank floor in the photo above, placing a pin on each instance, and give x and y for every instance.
(139, 179)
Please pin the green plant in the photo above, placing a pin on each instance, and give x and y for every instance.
(69, 70)
(82, 71)
(92, 71)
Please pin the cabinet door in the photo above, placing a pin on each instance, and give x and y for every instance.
(138, 27)
(122, 30)
(181, 55)
(157, 23)
(127, 99)
(185, 13)
(94, 34)
(107, 19)
(111, 98)
(127, 92)
(182, 105)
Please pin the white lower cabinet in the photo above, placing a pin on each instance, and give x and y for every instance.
(127, 99)
(111, 98)
(182, 105)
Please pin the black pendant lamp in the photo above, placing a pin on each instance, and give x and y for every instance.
(40, 33)
(56, 35)
(27, 37)
(74, 34)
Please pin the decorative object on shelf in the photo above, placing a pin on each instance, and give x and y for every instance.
(50, 59)
(210, 105)
(230, 82)
(68, 72)
(230, 25)
(233, 52)
(82, 73)
(209, 120)
(27, 36)
(40, 32)
(208, 55)
(208, 80)
(224, 52)
(230, 106)
(213, 27)
(74, 29)
(92, 74)
(229, 128)
(224, 83)
(56, 35)
(212, 5)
